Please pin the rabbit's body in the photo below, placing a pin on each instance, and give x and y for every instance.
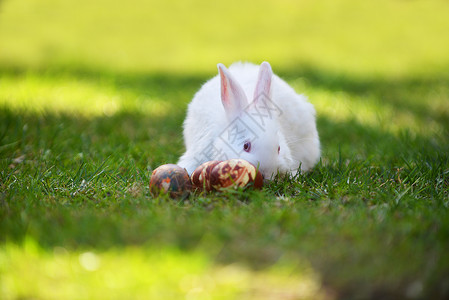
(276, 124)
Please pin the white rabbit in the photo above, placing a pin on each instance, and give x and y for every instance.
(275, 131)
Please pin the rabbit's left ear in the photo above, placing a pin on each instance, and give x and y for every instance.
(263, 85)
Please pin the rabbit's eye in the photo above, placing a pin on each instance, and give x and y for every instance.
(247, 146)
(279, 149)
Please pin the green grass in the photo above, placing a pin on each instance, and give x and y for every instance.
(92, 99)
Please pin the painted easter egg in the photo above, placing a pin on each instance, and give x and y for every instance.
(200, 178)
(235, 173)
(170, 179)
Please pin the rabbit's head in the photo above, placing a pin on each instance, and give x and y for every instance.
(252, 130)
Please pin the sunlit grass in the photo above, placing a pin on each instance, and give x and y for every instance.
(77, 96)
(139, 273)
(378, 114)
(89, 98)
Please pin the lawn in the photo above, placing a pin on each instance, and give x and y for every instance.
(92, 99)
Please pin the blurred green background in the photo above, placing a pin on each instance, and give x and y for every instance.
(356, 37)
(92, 99)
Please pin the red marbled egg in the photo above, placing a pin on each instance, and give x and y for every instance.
(171, 179)
(200, 178)
(235, 173)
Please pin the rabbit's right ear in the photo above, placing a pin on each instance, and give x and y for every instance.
(232, 95)
(263, 86)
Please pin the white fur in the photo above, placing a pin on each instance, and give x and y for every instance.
(291, 126)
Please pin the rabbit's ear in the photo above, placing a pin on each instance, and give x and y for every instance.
(263, 85)
(232, 95)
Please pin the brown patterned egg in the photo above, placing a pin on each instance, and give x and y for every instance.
(235, 173)
(171, 179)
(200, 178)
